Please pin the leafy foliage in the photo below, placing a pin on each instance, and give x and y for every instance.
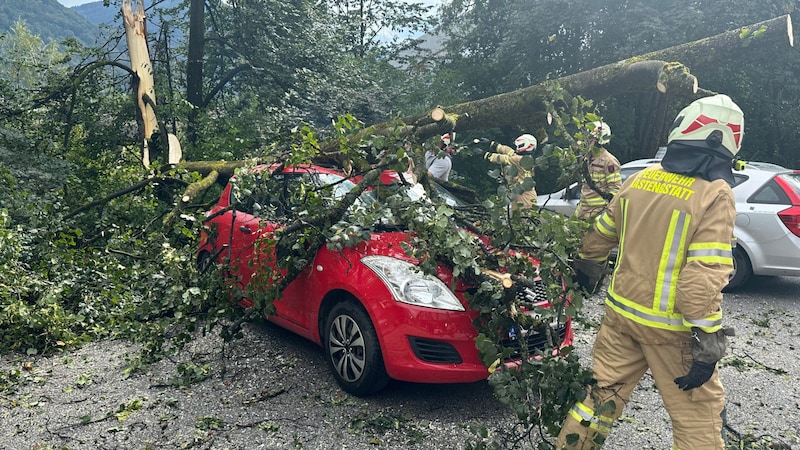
(468, 240)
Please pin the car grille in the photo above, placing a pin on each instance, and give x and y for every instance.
(535, 294)
(434, 351)
(536, 339)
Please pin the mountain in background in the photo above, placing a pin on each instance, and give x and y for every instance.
(48, 19)
(98, 14)
(52, 20)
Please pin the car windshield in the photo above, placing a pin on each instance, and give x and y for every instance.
(764, 166)
(416, 192)
(341, 185)
(280, 194)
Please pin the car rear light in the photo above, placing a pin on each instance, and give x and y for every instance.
(791, 219)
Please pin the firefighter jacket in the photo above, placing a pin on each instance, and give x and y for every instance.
(604, 172)
(506, 155)
(674, 234)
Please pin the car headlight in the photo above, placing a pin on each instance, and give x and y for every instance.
(409, 285)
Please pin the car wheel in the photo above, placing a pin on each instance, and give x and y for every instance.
(742, 270)
(353, 350)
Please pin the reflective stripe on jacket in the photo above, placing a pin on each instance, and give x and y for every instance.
(674, 235)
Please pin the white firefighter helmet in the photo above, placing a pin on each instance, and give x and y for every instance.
(446, 138)
(601, 132)
(525, 144)
(710, 122)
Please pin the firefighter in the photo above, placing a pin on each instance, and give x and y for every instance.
(602, 168)
(439, 162)
(520, 178)
(673, 223)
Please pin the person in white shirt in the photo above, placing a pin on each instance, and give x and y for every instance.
(439, 161)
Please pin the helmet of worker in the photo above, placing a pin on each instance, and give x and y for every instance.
(525, 144)
(711, 123)
(444, 144)
(601, 132)
(705, 138)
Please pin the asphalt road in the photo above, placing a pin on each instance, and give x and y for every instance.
(273, 390)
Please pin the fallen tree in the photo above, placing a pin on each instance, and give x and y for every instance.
(528, 107)
(663, 74)
(658, 76)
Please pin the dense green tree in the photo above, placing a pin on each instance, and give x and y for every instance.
(68, 145)
(268, 63)
(378, 28)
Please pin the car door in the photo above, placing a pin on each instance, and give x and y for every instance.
(246, 226)
(761, 230)
(298, 305)
(263, 208)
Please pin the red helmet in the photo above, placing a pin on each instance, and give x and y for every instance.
(446, 138)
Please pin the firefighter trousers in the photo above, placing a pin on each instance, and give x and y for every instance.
(619, 363)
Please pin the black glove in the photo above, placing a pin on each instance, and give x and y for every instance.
(697, 376)
(589, 273)
(707, 349)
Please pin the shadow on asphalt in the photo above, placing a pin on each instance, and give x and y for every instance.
(415, 396)
(777, 288)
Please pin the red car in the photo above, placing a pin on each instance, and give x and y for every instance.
(376, 319)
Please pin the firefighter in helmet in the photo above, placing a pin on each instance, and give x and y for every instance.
(602, 171)
(673, 223)
(520, 178)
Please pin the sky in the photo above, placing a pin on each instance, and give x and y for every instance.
(71, 3)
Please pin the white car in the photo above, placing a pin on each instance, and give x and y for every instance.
(767, 230)
(566, 200)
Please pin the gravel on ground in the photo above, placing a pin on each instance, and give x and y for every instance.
(272, 390)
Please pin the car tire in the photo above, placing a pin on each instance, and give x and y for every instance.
(353, 351)
(742, 270)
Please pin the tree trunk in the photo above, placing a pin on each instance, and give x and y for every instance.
(136, 37)
(194, 66)
(527, 107)
(649, 73)
(759, 40)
